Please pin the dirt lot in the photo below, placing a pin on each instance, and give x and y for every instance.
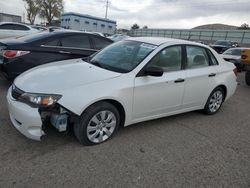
(188, 150)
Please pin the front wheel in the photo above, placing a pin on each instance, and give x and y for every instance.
(214, 101)
(97, 124)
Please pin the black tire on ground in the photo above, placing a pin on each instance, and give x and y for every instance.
(207, 109)
(247, 77)
(80, 128)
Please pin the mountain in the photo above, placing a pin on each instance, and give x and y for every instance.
(216, 26)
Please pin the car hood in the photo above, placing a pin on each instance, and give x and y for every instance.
(56, 77)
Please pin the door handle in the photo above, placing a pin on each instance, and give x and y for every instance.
(212, 75)
(179, 80)
(64, 52)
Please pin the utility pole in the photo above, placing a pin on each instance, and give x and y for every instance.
(107, 6)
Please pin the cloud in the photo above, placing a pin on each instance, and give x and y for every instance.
(154, 13)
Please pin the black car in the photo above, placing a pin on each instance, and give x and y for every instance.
(19, 55)
(221, 46)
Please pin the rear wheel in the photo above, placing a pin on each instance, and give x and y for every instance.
(247, 77)
(214, 101)
(97, 124)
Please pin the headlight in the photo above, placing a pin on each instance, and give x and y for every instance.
(37, 100)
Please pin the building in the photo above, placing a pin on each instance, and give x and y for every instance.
(89, 23)
(10, 18)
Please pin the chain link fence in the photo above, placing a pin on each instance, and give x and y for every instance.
(208, 36)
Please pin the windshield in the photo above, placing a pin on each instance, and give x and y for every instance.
(236, 52)
(122, 56)
(223, 43)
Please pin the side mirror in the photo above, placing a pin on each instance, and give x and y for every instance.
(153, 71)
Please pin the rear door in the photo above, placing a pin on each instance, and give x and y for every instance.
(200, 76)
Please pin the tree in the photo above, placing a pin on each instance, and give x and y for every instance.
(145, 27)
(32, 10)
(135, 26)
(244, 26)
(50, 9)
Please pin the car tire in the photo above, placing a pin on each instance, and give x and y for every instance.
(97, 124)
(214, 101)
(247, 78)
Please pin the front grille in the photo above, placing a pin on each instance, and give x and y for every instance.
(16, 92)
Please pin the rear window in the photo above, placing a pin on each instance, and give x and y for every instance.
(7, 26)
(223, 43)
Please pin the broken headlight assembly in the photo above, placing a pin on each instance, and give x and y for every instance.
(39, 100)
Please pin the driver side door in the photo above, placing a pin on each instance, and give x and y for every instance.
(159, 96)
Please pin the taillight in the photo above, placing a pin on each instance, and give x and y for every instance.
(235, 71)
(243, 57)
(14, 53)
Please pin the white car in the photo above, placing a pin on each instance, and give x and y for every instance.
(233, 55)
(14, 30)
(127, 82)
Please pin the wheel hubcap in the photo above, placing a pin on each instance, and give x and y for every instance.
(101, 126)
(215, 101)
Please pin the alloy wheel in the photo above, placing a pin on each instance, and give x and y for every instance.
(101, 126)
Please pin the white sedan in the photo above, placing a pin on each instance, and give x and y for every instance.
(14, 30)
(130, 81)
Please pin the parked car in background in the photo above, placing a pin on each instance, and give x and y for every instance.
(131, 81)
(245, 60)
(222, 45)
(39, 28)
(98, 33)
(14, 30)
(118, 37)
(19, 55)
(233, 55)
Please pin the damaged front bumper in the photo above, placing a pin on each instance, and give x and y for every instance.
(25, 119)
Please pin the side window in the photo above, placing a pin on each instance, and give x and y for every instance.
(52, 43)
(21, 27)
(196, 57)
(169, 59)
(100, 42)
(7, 26)
(76, 41)
(213, 59)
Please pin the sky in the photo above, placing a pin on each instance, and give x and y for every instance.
(184, 14)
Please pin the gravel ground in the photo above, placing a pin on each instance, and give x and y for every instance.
(187, 150)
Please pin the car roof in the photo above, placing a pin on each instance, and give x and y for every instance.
(70, 31)
(1, 23)
(160, 40)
